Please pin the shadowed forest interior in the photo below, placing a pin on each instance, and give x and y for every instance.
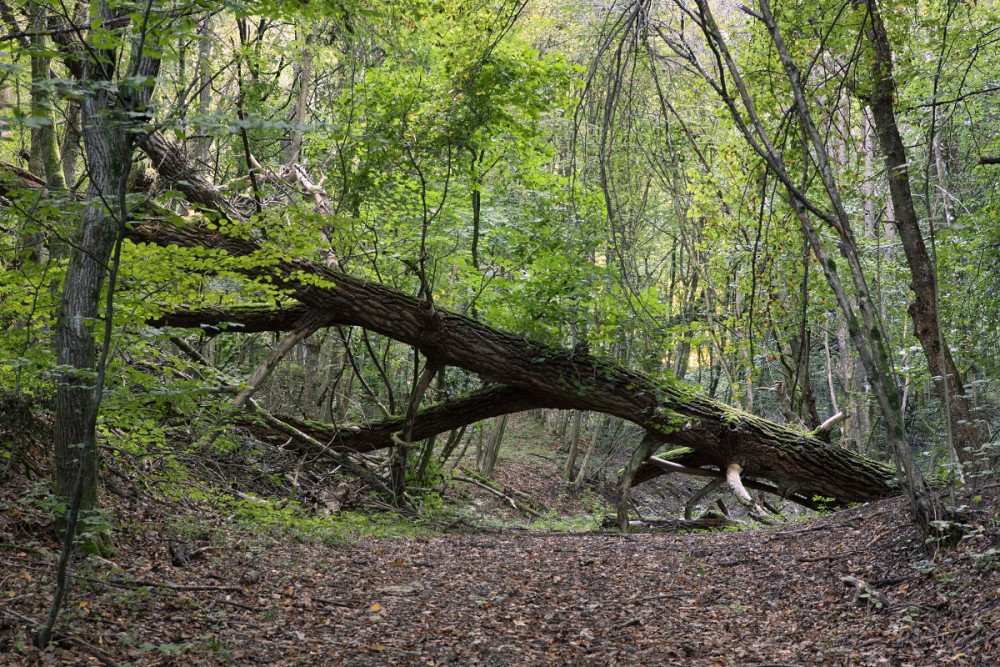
(290, 287)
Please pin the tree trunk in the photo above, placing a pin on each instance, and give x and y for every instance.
(107, 112)
(574, 447)
(578, 482)
(867, 333)
(44, 161)
(858, 427)
(293, 141)
(924, 309)
(70, 149)
(204, 72)
(491, 449)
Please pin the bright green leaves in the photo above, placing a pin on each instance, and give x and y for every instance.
(166, 279)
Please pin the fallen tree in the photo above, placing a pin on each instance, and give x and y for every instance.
(724, 442)
(519, 374)
(536, 375)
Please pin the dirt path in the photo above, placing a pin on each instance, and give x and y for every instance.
(771, 597)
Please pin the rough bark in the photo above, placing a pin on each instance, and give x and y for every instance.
(70, 147)
(176, 169)
(108, 112)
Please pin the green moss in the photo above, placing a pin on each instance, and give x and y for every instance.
(289, 520)
(676, 454)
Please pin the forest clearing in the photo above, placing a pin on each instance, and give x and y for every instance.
(499, 331)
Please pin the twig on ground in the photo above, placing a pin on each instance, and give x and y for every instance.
(21, 547)
(500, 494)
(160, 584)
(878, 537)
(241, 605)
(970, 644)
(893, 581)
(335, 603)
(665, 596)
(803, 531)
(817, 559)
(525, 497)
(635, 620)
(59, 636)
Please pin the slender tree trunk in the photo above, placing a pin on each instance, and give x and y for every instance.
(491, 448)
(574, 447)
(871, 343)
(944, 190)
(578, 482)
(70, 150)
(293, 142)
(834, 406)
(454, 438)
(399, 460)
(44, 161)
(562, 422)
(924, 309)
(205, 41)
(477, 203)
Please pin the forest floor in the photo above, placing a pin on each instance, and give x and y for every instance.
(288, 593)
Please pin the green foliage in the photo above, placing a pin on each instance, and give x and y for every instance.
(590, 520)
(825, 505)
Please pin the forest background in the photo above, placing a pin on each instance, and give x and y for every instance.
(767, 235)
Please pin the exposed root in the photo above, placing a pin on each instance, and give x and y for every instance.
(743, 496)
